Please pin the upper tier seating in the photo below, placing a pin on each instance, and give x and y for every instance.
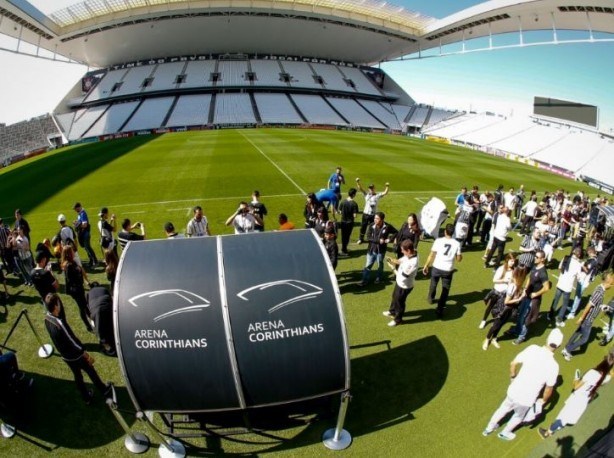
(233, 109)
(316, 110)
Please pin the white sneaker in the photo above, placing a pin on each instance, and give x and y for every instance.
(566, 355)
(388, 314)
(560, 324)
(482, 324)
(487, 431)
(506, 436)
(392, 323)
(570, 316)
(485, 344)
(495, 343)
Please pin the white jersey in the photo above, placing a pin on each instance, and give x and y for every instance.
(567, 278)
(576, 404)
(197, 228)
(371, 203)
(502, 227)
(406, 272)
(446, 250)
(539, 368)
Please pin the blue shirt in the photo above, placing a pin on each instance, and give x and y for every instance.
(328, 195)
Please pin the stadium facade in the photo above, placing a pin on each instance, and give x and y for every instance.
(168, 65)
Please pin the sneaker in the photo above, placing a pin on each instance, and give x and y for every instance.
(388, 314)
(518, 341)
(495, 343)
(570, 316)
(358, 242)
(485, 345)
(484, 258)
(566, 355)
(482, 324)
(560, 324)
(488, 432)
(506, 436)
(603, 342)
(392, 323)
(543, 433)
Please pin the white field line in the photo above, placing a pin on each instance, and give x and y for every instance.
(419, 199)
(302, 191)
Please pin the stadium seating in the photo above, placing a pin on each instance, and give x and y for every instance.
(276, 109)
(601, 166)
(301, 74)
(317, 111)
(132, 83)
(150, 114)
(267, 73)
(362, 83)
(198, 74)
(83, 123)
(383, 112)
(354, 113)
(112, 119)
(165, 77)
(573, 151)
(418, 117)
(332, 77)
(232, 73)
(190, 110)
(233, 109)
(26, 136)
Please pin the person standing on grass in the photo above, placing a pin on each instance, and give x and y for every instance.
(244, 220)
(198, 226)
(534, 369)
(537, 285)
(379, 234)
(444, 252)
(405, 269)
(284, 224)
(507, 304)
(21, 223)
(107, 226)
(502, 226)
(569, 269)
(500, 280)
(585, 277)
(74, 277)
(126, 235)
(259, 210)
(592, 309)
(584, 391)
(83, 228)
(72, 351)
(348, 209)
(410, 230)
(334, 182)
(371, 200)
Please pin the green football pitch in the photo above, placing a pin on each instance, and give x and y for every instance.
(422, 389)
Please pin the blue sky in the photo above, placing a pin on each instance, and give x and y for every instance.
(504, 81)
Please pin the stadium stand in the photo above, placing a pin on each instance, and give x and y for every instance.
(232, 73)
(573, 151)
(198, 74)
(317, 111)
(438, 115)
(383, 112)
(361, 82)
(332, 77)
(150, 114)
(104, 88)
(26, 136)
(85, 121)
(301, 75)
(164, 77)
(111, 120)
(190, 110)
(418, 116)
(267, 73)
(134, 81)
(351, 110)
(600, 168)
(233, 109)
(276, 109)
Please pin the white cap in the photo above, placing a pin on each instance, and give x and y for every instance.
(61, 218)
(555, 338)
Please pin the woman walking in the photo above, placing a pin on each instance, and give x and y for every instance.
(75, 276)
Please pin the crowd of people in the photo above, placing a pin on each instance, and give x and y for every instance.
(547, 223)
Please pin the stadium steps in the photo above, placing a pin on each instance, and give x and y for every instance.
(121, 128)
(84, 134)
(300, 113)
(170, 111)
(212, 108)
(314, 74)
(335, 110)
(372, 114)
(410, 114)
(255, 108)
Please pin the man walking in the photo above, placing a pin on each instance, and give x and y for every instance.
(538, 368)
(379, 234)
(334, 182)
(405, 269)
(82, 226)
(198, 226)
(445, 251)
(503, 225)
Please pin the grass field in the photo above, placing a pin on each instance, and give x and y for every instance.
(422, 389)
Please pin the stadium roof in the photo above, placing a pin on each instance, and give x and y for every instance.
(101, 33)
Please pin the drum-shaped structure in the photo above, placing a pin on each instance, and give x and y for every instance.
(229, 323)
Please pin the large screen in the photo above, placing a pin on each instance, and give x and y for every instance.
(565, 110)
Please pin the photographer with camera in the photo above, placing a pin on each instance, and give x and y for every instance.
(244, 219)
(126, 235)
(368, 214)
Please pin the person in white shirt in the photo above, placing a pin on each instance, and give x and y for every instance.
(569, 268)
(405, 269)
(244, 219)
(445, 251)
(198, 226)
(499, 236)
(538, 368)
(368, 213)
(529, 210)
(509, 200)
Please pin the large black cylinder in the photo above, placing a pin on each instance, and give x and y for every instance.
(229, 322)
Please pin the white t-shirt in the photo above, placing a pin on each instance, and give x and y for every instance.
(244, 223)
(510, 200)
(502, 287)
(371, 203)
(406, 272)
(530, 207)
(197, 228)
(567, 279)
(539, 368)
(576, 404)
(446, 250)
(502, 227)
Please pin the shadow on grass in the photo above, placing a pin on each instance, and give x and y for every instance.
(54, 416)
(52, 173)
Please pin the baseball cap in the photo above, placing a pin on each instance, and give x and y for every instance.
(555, 338)
(103, 211)
(61, 218)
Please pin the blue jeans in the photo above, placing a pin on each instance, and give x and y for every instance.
(576, 302)
(580, 337)
(371, 259)
(560, 313)
(84, 241)
(523, 311)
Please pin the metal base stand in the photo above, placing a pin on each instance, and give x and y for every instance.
(338, 438)
(7, 430)
(45, 351)
(336, 443)
(136, 443)
(171, 449)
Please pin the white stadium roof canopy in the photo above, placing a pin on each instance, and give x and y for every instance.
(101, 33)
